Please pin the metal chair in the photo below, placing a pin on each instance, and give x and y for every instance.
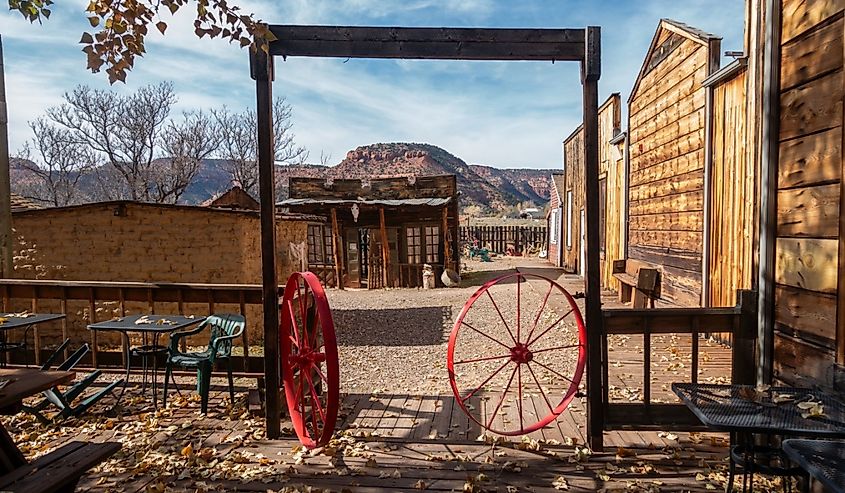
(64, 400)
(224, 329)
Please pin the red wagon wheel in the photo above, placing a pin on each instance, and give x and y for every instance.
(310, 371)
(517, 353)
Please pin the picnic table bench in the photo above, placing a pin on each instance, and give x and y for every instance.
(639, 282)
(58, 471)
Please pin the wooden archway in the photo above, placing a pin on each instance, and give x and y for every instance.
(579, 45)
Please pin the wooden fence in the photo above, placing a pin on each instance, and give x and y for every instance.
(739, 320)
(154, 298)
(523, 239)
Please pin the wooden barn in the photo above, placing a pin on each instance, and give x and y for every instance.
(554, 220)
(570, 189)
(380, 232)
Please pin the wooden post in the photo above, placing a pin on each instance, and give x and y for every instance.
(590, 73)
(770, 128)
(385, 248)
(261, 68)
(6, 248)
(338, 255)
(447, 250)
(743, 362)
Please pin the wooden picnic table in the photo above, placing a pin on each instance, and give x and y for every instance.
(59, 470)
(25, 382)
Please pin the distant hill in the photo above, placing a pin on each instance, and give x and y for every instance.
(492, 189)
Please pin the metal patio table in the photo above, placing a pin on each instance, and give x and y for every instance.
(728, 408)
(151, 328)
(24, 320)
(822, 459)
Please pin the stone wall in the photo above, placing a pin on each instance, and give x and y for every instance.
(127, 241)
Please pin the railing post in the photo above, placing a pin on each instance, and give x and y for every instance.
(743, 358)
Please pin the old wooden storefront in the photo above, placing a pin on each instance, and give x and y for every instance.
(570, 187)
(381, 232)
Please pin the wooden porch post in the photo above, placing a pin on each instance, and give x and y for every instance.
(590, 73)
(385, 248)
(338, 257)
(261, 68)
(447, 249)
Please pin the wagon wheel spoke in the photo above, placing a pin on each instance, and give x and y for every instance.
(570, 346)
(519, 402)
(540, 312)
(485, 335)
(316, 398)
(300, 297)
(294, 326)
(501, 316)
(554, 371)
(486, 358)
(485, 382)
(552, 326)
(502, 399)
(540, 387)
(320, 373)
(294, 341)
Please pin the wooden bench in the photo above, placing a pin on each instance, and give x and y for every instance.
(639, 282)
(59, 471)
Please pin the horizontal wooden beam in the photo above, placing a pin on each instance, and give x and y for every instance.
(659, 417)
(428, 43)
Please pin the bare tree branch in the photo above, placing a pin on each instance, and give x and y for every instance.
(239, 147)
(58, 164)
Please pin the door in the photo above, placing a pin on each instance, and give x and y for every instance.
(582, 244)
(353, 259)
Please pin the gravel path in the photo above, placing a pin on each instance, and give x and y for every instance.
(396, 340)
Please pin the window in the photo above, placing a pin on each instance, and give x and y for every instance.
(414, 242)
(320, 244)
(569, 219)
(432, 244)
(315, 250)
(602, 214)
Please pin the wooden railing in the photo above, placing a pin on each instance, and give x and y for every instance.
(740, 321)
(499, 238)
(115, 298)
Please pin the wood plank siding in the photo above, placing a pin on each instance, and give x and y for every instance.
(611, 193)
(809, 335)
(667, 121)
(733, 204)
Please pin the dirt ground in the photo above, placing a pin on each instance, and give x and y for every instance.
(396, 340)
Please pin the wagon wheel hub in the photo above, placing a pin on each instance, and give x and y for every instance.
(307, 359)
(520, 354)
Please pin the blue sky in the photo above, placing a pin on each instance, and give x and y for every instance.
(503, 114)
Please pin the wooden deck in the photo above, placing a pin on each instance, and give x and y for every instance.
(388, 442)
(392, 442)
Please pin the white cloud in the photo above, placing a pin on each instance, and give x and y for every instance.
(502, 114)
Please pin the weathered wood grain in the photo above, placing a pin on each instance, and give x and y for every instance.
(686, 201)
(644, 155)
(818, 53)
(807, 263)
(811, 160)
(678, 166)
(656, 118)
(801, 15)
(812, 107)
(689, 241)
(670, 221)
(687, 182)
(809, 212)
(806, 312)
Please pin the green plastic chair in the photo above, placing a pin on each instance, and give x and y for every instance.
(225, 328)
